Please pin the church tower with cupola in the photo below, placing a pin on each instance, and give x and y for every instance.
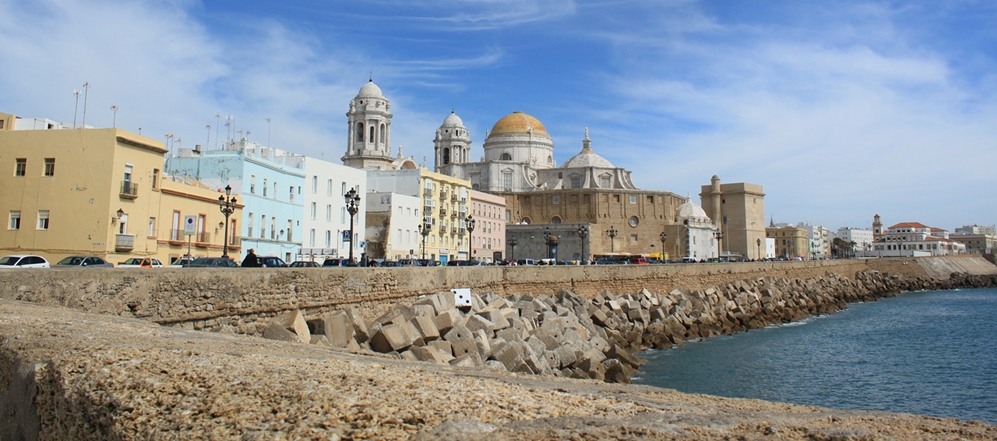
(452, 145)
(369, 136)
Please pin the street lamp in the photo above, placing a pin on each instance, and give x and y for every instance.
(227, 205)
(583, 231)
(758, 242)
(813, 250)
(547, 240)
(663, 236)
(352, 206)
(718, 235)
(612, 231)
(470, 237)
(424, 231)
(512, 243)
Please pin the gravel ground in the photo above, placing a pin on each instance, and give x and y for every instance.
(114, 378)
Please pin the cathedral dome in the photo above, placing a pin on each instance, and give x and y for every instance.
(689, 210)
(452, 120)
(370, 90)
(518, 123)
(587, 158)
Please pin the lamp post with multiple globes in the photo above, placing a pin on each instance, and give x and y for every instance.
(227, 206)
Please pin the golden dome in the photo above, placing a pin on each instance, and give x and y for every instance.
(518, 123)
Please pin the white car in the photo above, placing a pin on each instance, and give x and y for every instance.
(141, 262)
(23, 261)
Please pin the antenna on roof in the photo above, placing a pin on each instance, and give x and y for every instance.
(76, 92)
(371, 76)
(86, 94)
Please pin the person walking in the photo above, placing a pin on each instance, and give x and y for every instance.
(251, 261)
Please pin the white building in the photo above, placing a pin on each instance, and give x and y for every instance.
(698, 242)
(368, 143)
(325, 216)
(916, 239)
(977, 229)
(820, 242)
(861, 238)
(393, 231)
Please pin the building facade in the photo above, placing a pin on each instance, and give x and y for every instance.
(859, 239)
(180, 198)
(739, 211)
(488, 237)
(915, 239)
(791, 242)
(325, 217)
(269, 183)
(78, 191)
(368, 143)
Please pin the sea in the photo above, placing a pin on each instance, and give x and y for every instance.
(926, 352)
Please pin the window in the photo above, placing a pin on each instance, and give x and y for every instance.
(15, 220)
(264, 186)
(311, 237)
(556, 200)
(20, 166)
(633, 199)
(155, 178)
(328, 213)
(505, 157)
(263, 225)
(314, 184)
(328, 238)
(576, 181)
(42, 219)
(633, 238)
(314, 210)
(175, 229)
(152, 227)
(273, 228)
(250, 226)
(604, 181)
(252, 184)
(49, 166)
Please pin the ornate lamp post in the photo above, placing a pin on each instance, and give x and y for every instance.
(758, 254)
(583, 231)
(612, 232)
(512, 243)
(718, 235)
(663, 236)
(424, 231)
(227, 205)
(470, 237)
(352, 206)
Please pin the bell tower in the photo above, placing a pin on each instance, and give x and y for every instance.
(368, 143)
(452, 145)
(877, 229)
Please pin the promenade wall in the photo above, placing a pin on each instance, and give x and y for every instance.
(246, 299)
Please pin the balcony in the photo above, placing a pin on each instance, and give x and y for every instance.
(454, 214)
(124, 242)
(443, 211)
(202, 239)
(443, 229)
(129, 190)
(453, 196)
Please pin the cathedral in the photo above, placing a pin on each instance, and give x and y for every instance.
(582, 208)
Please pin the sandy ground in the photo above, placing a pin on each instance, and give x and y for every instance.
(108, 377)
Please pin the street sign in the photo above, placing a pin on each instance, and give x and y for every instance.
(189, 225)
(346, 236)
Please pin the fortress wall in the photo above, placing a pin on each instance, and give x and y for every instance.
(246, 299)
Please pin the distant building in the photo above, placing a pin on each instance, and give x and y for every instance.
(790, 241)
(368, 143)
(183, 197)
(739, 211)
(977, 229)
(325, 218)
(393, 221)
(860, 238)
(488, 237)
(820, 242)
(916, 239)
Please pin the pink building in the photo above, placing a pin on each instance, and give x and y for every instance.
(488, 237)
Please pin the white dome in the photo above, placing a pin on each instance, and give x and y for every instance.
(689, 210)
(452, 120)
(587, 158)
(370, 90)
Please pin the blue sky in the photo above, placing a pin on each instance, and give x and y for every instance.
(840, 109)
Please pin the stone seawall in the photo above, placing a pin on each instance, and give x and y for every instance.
(247, 299)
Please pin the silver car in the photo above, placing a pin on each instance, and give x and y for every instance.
(23, 261)
(83, 261)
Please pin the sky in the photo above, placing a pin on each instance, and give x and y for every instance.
(840, 109)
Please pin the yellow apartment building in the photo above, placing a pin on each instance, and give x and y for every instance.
(180, 198)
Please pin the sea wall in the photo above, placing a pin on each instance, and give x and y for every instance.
(246, 299)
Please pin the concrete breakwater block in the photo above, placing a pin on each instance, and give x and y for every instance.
(572, 336)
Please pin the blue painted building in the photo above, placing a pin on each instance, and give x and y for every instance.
(265, 180)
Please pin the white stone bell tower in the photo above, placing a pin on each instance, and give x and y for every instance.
(452, 144)
(368, 142)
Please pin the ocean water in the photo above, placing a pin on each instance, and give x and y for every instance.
(930, 352)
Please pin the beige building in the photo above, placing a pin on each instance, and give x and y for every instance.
(488, 237)
(181, 197)
(77, 191)
(790, 242)
(739, 211)
(444, 210)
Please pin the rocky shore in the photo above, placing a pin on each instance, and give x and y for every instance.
(568, 335)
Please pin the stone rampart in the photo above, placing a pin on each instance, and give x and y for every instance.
(247, 299)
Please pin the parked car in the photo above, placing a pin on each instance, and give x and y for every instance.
(181, 262)
(639, 261)
(141, 262)
(23, 261)
(272, 262)
(303, 264)
(527, 262)
(84, 261)
(212, 262)
(337, 262)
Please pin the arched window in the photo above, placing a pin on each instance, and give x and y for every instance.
(556, 220)
(526, 220)
(505, 157)
(550, 159)
(382, 133)
(446, 156)
(359, 132)
(371, 134)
